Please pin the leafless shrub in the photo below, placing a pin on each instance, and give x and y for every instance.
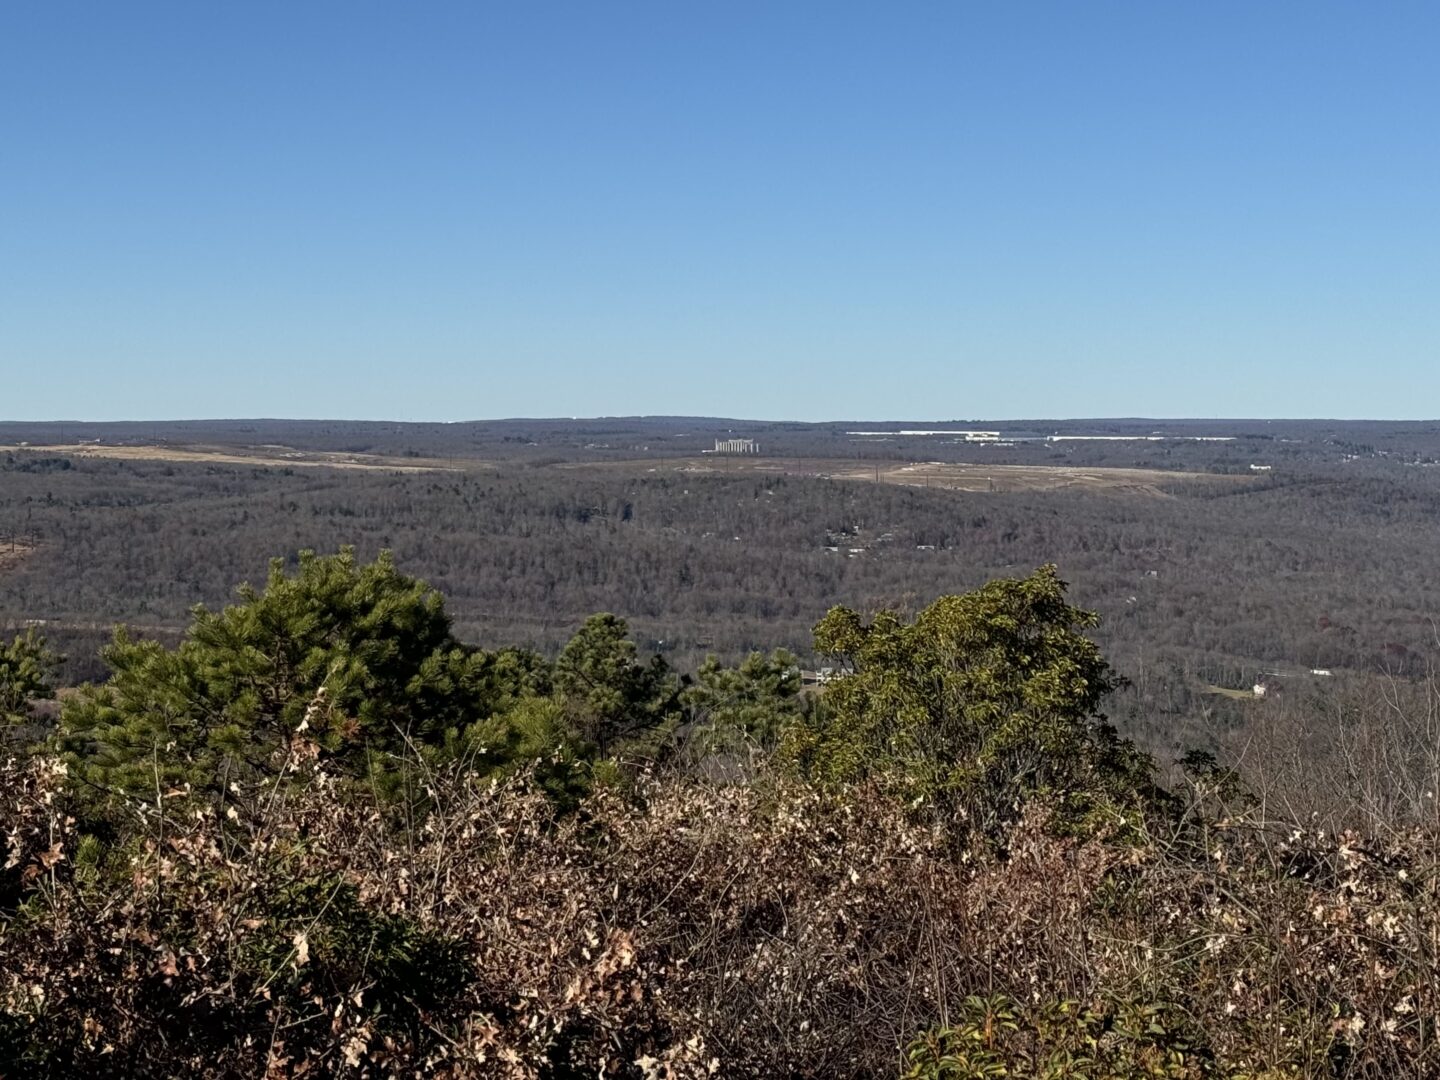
(1362, 755)
(676, 929)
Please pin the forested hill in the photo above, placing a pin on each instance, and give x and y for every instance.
(1321, 559)
(1172, 443)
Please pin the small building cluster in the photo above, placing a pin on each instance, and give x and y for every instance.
(736, 446)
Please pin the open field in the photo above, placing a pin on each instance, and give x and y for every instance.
(1229, 692)
(961, 477)
(272, 456)
(13, 553)
(942, 476)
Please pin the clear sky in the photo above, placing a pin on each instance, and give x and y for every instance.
(463, 210)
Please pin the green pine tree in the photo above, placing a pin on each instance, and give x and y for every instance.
(750, 703)
(26, 668)
(986, 699)
(358, 659)
(615, 703)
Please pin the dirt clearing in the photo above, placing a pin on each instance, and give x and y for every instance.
(13, 553)
(944, 476)
(269, 456)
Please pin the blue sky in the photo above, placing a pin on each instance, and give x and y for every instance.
(469, 210)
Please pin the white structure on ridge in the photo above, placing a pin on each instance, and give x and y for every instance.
(736, 446)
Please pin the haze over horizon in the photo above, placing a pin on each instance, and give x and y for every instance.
(799, 211)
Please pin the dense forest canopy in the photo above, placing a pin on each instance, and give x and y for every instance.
(1106, 442)
(1322, 560)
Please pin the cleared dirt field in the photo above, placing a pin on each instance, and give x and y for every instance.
(939, 475)
(13, 553)
(1232, 694)
(934, 474)
(272, 456)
